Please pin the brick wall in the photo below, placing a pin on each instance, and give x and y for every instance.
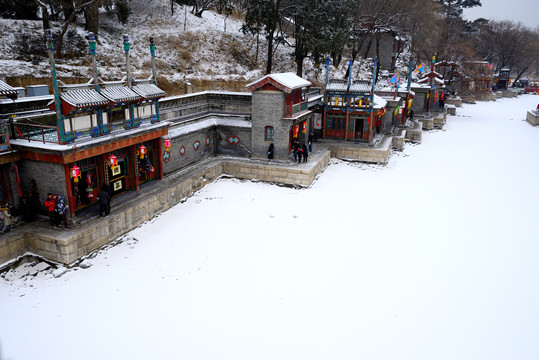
(268, 110)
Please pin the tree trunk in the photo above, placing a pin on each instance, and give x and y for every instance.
(60, 41)
(91, 15)
(378, 58)
(366, 53)
(44, 16)
(269, 63)
(67, 8)
(271, 34)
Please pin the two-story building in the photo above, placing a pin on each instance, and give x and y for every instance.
(280, 114)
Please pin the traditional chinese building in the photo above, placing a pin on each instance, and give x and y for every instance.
(280, 114)
(103, 134)
(479, 77)
(10, 189)
(503, 79)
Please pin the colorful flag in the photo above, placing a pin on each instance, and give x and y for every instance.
(419, 68)
(395, 79)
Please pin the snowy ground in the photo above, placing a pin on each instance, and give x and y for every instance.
(431, 257)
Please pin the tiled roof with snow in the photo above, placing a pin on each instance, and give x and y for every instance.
(337, 85)
(83, 98)
(120, 94)
(342, 86)
(427, 80)
(149, 91)
(360, 86)
(207, 123)
(8, 91)
(288, 80)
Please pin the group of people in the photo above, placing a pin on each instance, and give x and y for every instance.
(57, 209)
(300, 152)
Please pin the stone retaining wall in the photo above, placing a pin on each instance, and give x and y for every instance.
(379, 154)
(397, 141)
(12, 245)
(414, 134)
(299, 176)
(532, 117)
(456, 101)
(68, 246)
(427, 122)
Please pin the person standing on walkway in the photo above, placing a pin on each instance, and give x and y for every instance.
(441, 103)
(300, 154)
(311, 138)
(305, 153)
(109, 191)
(50, 204)
(8, 219)
(270, 152)
(295, 146)
(60, 209)
(103, 199)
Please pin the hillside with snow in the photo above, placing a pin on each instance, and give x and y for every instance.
(209, 52)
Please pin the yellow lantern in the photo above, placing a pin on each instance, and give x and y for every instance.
(142, 151)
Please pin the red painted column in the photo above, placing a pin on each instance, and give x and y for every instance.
(71, 200)
(135, 166)
(160, 154)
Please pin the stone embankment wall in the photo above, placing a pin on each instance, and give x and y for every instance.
(66, 247)
(532, 117)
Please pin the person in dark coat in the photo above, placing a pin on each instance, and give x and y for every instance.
(103, 200)
(270, 152)
(295, 146)
(60, 209)
(300, 154)
(305, 153)
(109, 191)
(311, 138)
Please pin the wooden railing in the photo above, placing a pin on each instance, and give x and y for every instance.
(4, 142)
(32, 132)
(297, 108)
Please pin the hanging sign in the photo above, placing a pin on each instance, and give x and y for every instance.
(318, 121)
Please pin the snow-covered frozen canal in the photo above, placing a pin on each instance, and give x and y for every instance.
(434, 256)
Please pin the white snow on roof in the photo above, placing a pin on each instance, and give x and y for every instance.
(119, 94)
(7, 90)
(289, 80)
(206, 123)
(379, 102)
(148, 91)
(174, 97)
(83, 98)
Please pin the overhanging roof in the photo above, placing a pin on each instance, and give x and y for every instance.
(84, 98)
(283, 81)
(120, 94)
(149, 91)
(8, 91)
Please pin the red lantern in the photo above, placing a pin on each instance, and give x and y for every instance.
(303, 127)
(167, 144)
(113, 162)
(75, 173)
(296, 129)
(142, 151)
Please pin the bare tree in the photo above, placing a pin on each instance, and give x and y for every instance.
(77, 6)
